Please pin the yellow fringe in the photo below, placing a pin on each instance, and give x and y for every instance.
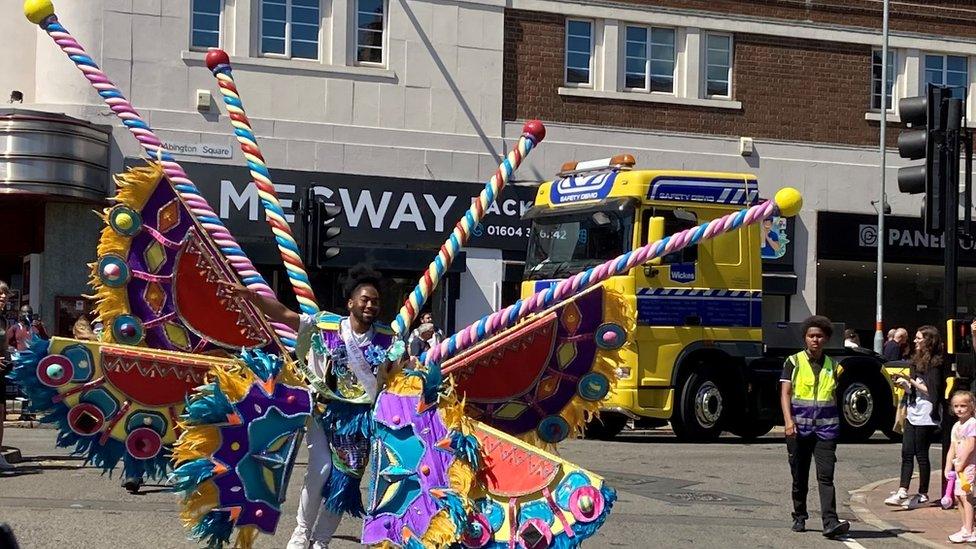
(441, 532)
(197, 504)
(246, 537)
(235, 380)
(134, 188)
(197, 441)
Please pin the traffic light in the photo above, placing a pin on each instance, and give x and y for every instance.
(321, 229)
(927, 116)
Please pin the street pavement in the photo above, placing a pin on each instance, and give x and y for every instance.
(727, 494)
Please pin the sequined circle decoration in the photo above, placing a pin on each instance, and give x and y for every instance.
(553, 429)
(124, 220)
(55, 370)
(127, 330)
(593, 387)
(610, 336)
(112, 271)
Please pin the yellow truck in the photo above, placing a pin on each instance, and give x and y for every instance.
(703, 358)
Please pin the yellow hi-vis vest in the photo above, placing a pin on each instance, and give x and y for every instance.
(814, 402)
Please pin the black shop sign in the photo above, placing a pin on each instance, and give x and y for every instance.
(387, 212)
(855, 237)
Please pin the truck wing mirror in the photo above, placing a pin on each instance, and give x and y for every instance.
(655, 232)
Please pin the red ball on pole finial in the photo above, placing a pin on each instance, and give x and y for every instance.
(217, 57)
(536, 129)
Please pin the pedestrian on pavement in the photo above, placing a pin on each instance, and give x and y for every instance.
(812, 420)
(6, 365)
(27, 326)
(425, 318)
(422, 339)
(851, 339)
(924, 391)
(962, 461)
(897, 347)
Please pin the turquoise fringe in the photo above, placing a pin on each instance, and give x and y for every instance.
(207, 404)
(191, 474)
(342, 495)
(214, 529)
(264, 365)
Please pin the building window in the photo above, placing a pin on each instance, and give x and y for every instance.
(876, 80)
(205, 24)
(718, 65)
(579, 52)
(948, 70)
(370, 22)
(654, 72)
(290, 28)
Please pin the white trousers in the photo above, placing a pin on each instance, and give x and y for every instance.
(313, 516)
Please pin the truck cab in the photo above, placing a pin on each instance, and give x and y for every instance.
(698, 358)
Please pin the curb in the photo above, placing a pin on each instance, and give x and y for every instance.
(859, 508)
(22, 424)
(11, 454)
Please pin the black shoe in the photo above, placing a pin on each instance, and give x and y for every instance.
(132, 484)
(799, 525)
(837, 529)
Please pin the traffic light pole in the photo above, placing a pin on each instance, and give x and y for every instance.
(882, 200)
(950, 152)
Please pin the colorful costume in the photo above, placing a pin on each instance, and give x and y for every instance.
(440, 474)
(347, 363)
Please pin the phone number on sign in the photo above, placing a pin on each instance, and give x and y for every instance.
(496, 230)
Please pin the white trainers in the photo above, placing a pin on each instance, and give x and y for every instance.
(299, 539)
(4, 466)
(916, 501)
(320, 544)
(897, 498)
(962, 536)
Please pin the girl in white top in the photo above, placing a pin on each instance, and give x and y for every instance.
(962, 459)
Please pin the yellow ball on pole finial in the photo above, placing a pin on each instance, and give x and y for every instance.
(789, 201)
(38, 10)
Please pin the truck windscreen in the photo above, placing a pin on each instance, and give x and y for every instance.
(563, 245)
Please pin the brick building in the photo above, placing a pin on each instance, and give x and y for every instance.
(681, 83)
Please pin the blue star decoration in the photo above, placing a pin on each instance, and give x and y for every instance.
(396, 457)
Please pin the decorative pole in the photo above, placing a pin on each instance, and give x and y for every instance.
(219, 64)
(41, 13)
(532, 133)
(786, 203)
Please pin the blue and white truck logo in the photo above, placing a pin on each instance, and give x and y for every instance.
(576, 189)
(683, 272)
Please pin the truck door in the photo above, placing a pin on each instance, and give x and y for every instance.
(668, 315)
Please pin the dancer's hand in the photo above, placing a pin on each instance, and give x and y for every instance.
(236, 289)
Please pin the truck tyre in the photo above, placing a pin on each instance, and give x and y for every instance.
(862, 403)
(702, 407)
(606, 427)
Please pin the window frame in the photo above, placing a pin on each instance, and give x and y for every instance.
(892, 73)
(288, 34)
(688, 254)
(220, 27)
(384, 50)
(704, 65)
(591, 81)
(648, 59)
(945, 68)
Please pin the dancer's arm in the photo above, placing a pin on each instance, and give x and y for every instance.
(272, 308)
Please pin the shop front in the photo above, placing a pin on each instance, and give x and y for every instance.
(53, 173)
(913, 272)
(394, 225)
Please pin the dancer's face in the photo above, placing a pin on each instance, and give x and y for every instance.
(364, 304)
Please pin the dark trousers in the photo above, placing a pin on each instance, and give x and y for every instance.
(824, 454)
(915, 444)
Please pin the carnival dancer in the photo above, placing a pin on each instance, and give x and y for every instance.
(346, 356)
(812, 424)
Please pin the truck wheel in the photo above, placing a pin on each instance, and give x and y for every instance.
(702, 408)
(862, 405)
(606, 427)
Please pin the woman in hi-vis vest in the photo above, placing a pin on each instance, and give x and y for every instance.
(812, 419)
